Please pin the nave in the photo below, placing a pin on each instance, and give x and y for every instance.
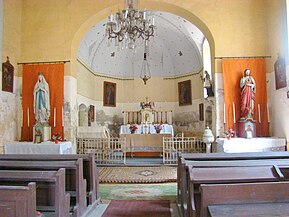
(207, 184)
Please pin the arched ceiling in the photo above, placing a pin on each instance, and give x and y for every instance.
(175, 50)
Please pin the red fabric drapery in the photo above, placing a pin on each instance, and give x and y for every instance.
(233, 70)
(54, 75)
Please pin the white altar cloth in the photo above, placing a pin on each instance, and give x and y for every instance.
(147, 129)
(235, 145)
(47, 147)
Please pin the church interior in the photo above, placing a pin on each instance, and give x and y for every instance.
(144, 108)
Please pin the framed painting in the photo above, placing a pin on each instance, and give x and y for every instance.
(7, 76)
(280, 73)
(185, 94)
(109, 94)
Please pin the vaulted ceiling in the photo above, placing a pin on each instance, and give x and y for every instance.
(175, 50)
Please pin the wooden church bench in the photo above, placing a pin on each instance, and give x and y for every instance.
(243, 193)
(90, 172)
(235, 156)
(219, 159)
(50, 192)
(18, 201)
(252, 210)
(74, 182)
(224, 175)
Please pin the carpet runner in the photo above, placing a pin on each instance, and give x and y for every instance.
(138, 208)
(138, 174)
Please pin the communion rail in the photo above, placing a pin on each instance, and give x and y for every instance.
(174, 145)
(106, 150)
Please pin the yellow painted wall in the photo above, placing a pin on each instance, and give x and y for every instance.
(157, 88)
(12, 32)
(49, 27)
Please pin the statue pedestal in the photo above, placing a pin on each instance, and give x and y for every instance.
(247, 128)
(41, 133)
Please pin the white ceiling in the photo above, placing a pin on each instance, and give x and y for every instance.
(175, 50)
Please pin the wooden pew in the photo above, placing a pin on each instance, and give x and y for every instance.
(252, 210)
(198, 176)
(74, 182)
(235, 156)
(18, 201)
(242, 193)
(90, 172)
(219, 160)
(50, 192)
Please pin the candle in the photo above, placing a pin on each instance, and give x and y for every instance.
(28, 116)
(62, 116)
(268, 112)
(224, 113)
(54, 117)
(259, 113)
(234, 114)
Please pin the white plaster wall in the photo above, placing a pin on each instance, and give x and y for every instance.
(219, 94)
(70, 118)
(279, 107)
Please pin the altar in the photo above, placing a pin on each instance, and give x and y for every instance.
(47, 147)
(235, 145)
(147, 129)
(152, 143)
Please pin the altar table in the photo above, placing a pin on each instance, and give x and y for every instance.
(235, 145)
(147, 129)
(144, 142)
(38, 148)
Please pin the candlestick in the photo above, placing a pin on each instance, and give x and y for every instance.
(28, 117)
(234, 114)
(62, 116)
(259, 113)
(54, 117)
(268, 112)
(224, 113)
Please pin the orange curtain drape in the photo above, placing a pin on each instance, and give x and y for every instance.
(54, 75)
(233, 70)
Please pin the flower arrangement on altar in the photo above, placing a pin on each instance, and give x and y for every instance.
(56, 137)
(158, 127)
(229, 133)
(133, 128)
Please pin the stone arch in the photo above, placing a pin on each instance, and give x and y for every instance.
(150, 5)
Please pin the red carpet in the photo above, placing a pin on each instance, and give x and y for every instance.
(138, 208)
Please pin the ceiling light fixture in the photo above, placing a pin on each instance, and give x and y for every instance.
(130, 27)
(145, 74)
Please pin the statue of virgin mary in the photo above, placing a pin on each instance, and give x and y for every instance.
(41, 100)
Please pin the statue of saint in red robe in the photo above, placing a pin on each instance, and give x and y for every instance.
(248, 91)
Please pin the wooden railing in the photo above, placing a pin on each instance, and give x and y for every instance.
(106, 150)
(174, 145)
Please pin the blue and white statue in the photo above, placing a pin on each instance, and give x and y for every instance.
(41, 100)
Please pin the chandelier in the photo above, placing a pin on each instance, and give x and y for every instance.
(130, 27)
(145, 74)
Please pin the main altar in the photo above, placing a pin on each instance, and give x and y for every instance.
(145, 129)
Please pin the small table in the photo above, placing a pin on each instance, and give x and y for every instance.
(235, 145)
(38, 148)
(252, 210)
